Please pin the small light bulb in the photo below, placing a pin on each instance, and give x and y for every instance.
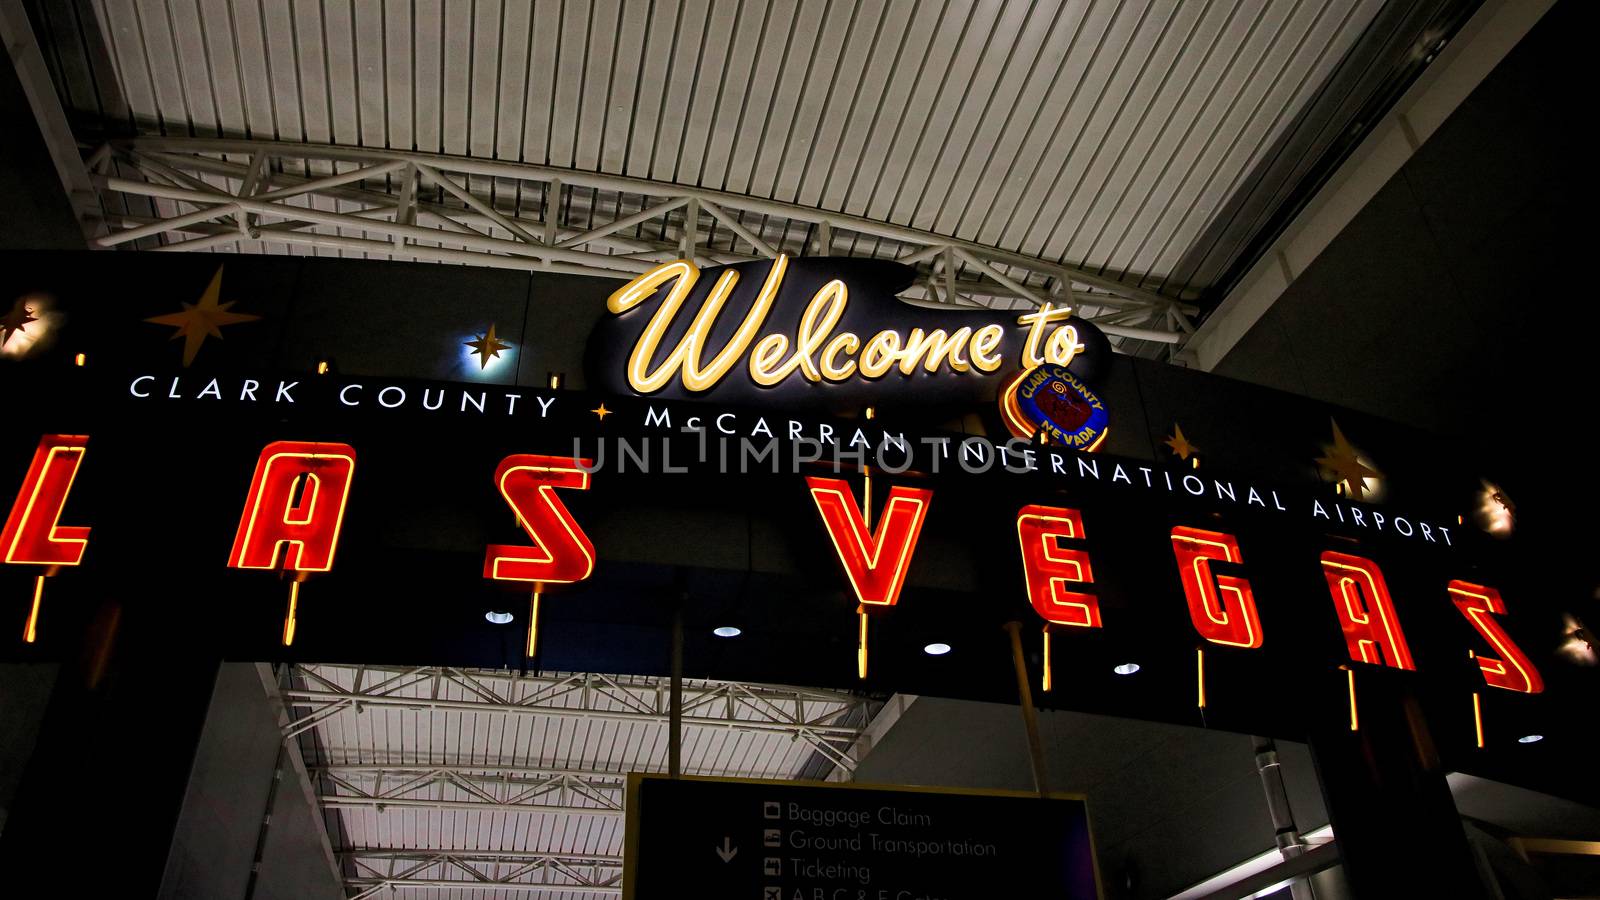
(497, 617)
(1530, 739)
(1126, 668)
(80, 359)
(727, 631)
(936, 649)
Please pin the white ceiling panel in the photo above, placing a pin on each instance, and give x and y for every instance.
(482, 784)
(1115, 137)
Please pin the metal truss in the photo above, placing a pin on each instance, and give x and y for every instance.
(513, 871)
(187, 194)
(486, 787)
(830, 721)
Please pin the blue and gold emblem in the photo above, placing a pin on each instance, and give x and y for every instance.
(1052, 400)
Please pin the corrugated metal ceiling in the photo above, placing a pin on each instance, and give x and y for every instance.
(431, 775)
(1105, 135)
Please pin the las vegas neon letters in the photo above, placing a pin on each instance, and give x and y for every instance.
(299, 492)
(296, 502)
(562, 553)
(1222, 607)
(876, 563)
(33, 534)
(1048, 566)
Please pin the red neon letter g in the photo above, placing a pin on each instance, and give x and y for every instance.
(1222, 607)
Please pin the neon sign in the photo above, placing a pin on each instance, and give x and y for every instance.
(562, 553)
(293, 513)
(876, 563)
(1359, 593)
(813, 330)
(1513, 670)
(33, 533)
(1232, 621)
(1048, 567)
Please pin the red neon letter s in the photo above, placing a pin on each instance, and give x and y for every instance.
(1048, 567)
(308, 523)
(32, 534)
(1350, 579)
(1478, 603)
(1234, 623)
(561, 553)
(875, 563)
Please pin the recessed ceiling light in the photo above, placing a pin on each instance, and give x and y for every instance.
(936, 649)
(1126, 668)
(727, 631)
(497, 617)
(1530, 739)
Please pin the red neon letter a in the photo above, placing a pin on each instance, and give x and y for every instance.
(562, 553)
(1513, 670)
(1222, 607)
(1361, 596)
(875, 563)
(1048, 567)
(32, 534)
(297, 498)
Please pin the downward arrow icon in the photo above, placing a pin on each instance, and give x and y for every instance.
(727, 851)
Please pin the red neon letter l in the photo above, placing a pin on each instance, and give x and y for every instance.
(32, 534)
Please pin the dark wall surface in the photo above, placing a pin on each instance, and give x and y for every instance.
(1454, 300)
(216, 841)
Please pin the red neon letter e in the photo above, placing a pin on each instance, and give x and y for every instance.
(1048, 567)
(1222, 607)
(1358, 590)
(561, 553)
(875, 563)
(32, 534)
(297, 498)
(1478, 603)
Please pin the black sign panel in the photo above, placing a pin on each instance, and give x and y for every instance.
(726, 839)
(704, 507)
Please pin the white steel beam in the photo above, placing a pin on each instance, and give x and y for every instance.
(33, 75)
(588, 222)
(395, 884)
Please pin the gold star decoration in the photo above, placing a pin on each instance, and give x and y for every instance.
(1180, 445)
(203, 319)
(1343, 462)
(15, 320)
(487, 347)
(600, 412)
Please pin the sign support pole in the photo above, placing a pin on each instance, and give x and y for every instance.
(30, 632)
(1030, 716)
